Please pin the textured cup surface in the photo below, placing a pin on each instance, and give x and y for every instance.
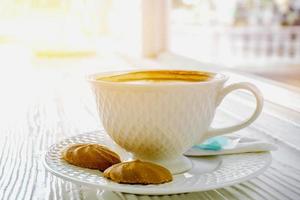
(157, 121)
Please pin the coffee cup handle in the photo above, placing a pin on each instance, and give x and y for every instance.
(259, 105)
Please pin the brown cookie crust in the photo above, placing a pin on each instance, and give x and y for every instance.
(138, 172)
(92, 156)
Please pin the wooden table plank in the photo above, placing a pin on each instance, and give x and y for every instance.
(53, 106)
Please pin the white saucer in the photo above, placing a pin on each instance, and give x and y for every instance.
(207, 173)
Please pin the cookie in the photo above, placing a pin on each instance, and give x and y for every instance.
(92, 156)
(138, 172)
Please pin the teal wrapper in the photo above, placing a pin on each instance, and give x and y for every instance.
(213, 144)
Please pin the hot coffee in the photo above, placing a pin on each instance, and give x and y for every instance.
(159, 76)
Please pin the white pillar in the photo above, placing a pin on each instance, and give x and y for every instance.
(155, 27)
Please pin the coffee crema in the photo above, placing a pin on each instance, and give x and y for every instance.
(159, 76)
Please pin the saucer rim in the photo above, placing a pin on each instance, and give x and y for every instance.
(112, 186)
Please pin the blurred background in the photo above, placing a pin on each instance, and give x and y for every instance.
(257, 36)
(62, 37)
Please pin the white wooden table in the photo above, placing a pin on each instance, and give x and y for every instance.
(44, 103)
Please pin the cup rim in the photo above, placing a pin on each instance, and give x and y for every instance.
(219, 77)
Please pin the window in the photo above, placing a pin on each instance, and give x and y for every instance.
(236, 32)
(64, 28)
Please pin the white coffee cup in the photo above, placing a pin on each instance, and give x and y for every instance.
(159, 121)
